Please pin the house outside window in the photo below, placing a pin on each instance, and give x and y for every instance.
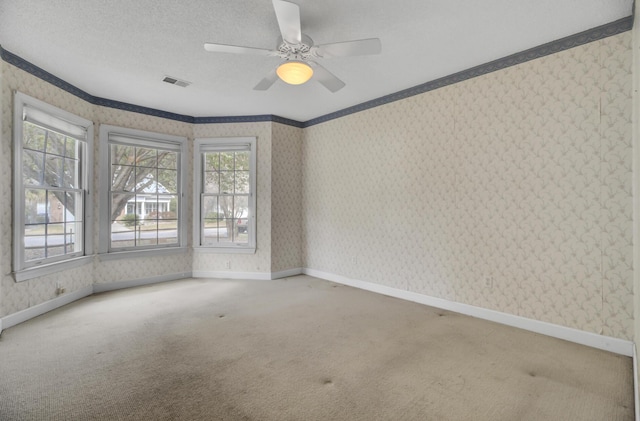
(142, 176)
(225, 199)
(52, 149)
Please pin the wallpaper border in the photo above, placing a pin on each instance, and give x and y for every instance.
(607, 30)
(585, 37)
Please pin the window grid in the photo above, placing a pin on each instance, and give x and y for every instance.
(54, 200)
(51, 188)
(144, 179)
(225, 201)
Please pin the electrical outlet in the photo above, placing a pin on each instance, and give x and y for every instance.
(354, 260)
(488, 282)
(60, 289)
(227, 264)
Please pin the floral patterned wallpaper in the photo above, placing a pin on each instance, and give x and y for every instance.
(510, 191)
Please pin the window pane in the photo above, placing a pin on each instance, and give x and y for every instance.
(71, 178)
(74, 206)
(210, 207)
(168, 160)
(141, 205)
(226, 182)
(123, 235)
(35, 206)
(32, 168)
(167, 181)
(34, 236)
(33, 137)
(225, 206)
(53, 170)
(168, 205)
(72, 148)
(123, 208)
(56, 206)
(146, 157)
(211, 182)
(242, 161)
(210, 234)
(123, 155)
(146, 180)
(55, 143)
(241, 206)
(147, 237)
(167, 232)
(226, 161)
(225, 230)
(74, 235)
(211, 161)
(150, 208)
(123, 178)
(242, 182)
(55, 240)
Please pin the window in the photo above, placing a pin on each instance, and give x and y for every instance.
(51, 187)
(142, 197)
(225, 194)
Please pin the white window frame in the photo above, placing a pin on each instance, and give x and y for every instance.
(202, 145)
(59, 120)
(146, 139)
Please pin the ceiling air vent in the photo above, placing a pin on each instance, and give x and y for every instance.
(176, 81)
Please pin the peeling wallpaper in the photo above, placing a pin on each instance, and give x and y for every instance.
(522, 176)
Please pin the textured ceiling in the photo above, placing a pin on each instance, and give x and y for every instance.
(121, 50)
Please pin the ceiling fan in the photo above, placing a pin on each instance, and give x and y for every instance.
(299, 53)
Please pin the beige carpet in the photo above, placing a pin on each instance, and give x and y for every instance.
(294, 349)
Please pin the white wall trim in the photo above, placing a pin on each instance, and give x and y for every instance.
(112, 286)
(37, 310)
(635, 382)
(221, 274)
(615, 345)
(286, 273)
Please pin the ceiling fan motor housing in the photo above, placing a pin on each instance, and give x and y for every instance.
(303, 51)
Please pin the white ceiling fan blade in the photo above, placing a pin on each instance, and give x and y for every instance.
(288, 15)
(266, 83)
(328, 79)
(234, 49)
(360, 47)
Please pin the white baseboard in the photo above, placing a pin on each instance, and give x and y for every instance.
(635, 383)
(37, 310)
(286, 273)
(618, 346)
(261, 276)
(111, 286)
(220, 274)
(615, 345)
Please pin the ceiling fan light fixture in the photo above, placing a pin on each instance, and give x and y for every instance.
(294, 72)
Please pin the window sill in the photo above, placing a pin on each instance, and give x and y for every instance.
(118, 255)
(224, 250)
(46, 269)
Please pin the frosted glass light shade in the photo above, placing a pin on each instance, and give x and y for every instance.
(294, 72)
